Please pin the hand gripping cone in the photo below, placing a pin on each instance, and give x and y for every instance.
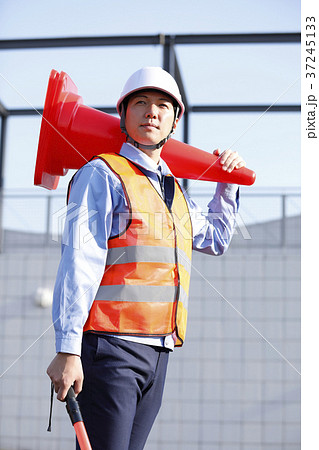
(72, 133)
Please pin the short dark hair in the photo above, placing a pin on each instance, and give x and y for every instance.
(127, 99)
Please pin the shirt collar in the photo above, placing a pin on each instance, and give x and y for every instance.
(140, 158)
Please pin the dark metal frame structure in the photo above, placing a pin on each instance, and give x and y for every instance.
(170, 63)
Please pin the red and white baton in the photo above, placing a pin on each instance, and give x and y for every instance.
(74, 412)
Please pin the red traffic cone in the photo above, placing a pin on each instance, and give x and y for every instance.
(72, 133)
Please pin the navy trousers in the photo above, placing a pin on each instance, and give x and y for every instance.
(122, 391)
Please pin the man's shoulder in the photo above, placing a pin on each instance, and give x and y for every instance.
(98, 164)
(96, 172)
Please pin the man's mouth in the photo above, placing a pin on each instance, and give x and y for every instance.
(149, 125)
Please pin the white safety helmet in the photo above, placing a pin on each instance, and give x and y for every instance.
(150, 78)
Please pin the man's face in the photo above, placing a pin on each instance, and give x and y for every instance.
(149, 116)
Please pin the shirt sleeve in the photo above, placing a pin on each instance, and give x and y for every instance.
(87, 227)
(212, 232)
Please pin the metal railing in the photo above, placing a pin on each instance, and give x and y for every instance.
(264, 219)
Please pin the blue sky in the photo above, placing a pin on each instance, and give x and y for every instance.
(42, 18)
(220, 74)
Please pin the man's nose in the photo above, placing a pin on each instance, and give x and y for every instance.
(151, 111)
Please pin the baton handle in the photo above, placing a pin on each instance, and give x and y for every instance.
(74, 412)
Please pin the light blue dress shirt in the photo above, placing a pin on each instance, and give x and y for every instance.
(97, 209)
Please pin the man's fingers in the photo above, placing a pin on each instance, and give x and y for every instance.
(234, 163)
(62, 390)
(62, 393)
(78, 386)
(240, 164)
(226, 155)
(228, 158)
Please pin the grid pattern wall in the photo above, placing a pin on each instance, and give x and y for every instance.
(233, 386)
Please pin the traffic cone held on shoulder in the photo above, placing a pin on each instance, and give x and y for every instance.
(72, 133)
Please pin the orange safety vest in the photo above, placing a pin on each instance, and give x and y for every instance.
(145, 286)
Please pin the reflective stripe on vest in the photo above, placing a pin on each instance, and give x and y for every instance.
(140, 293)
(124, 255)
(144, 289)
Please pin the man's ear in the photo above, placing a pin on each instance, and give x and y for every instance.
(175, 124)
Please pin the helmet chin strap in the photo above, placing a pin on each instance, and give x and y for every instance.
(138, 144)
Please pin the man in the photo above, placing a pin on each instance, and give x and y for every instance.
(126, 284)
